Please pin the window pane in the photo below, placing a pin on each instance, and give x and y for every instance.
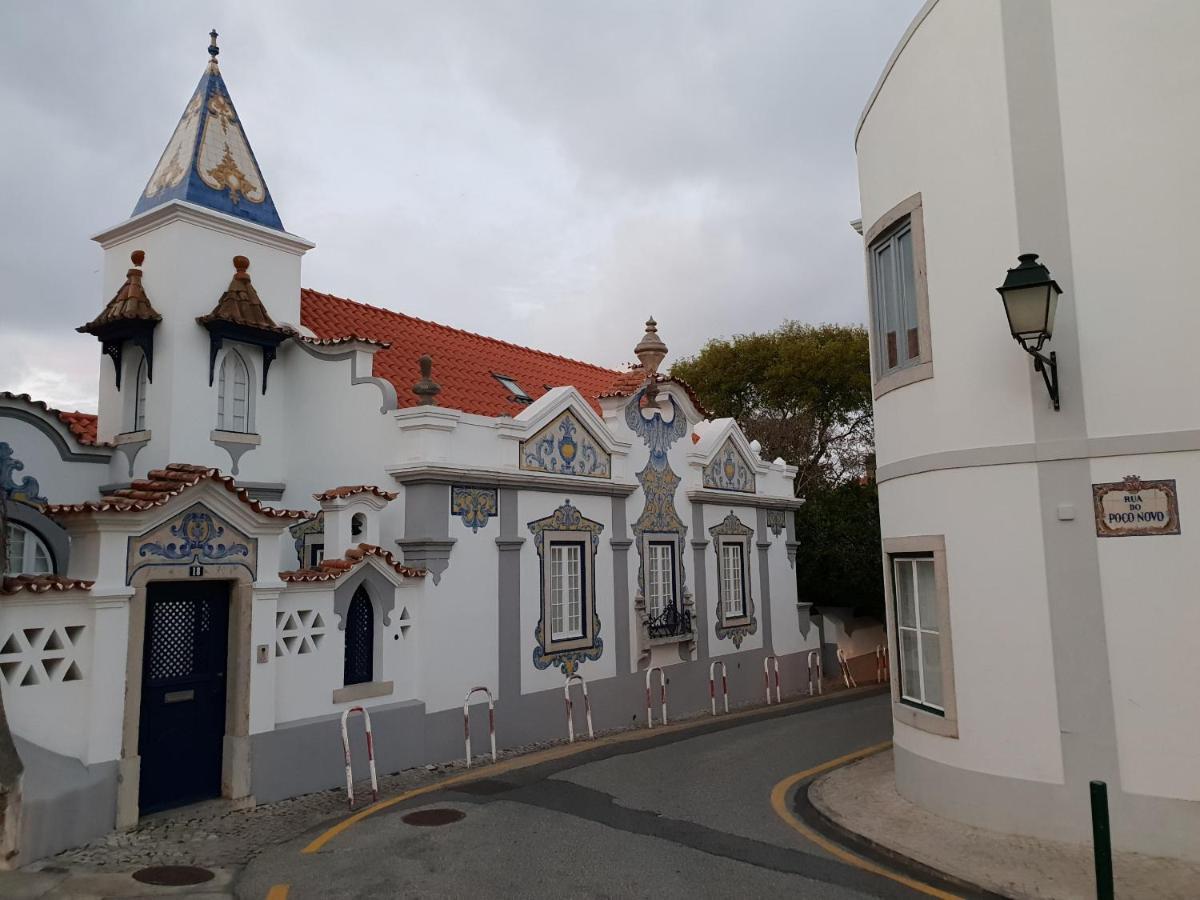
(910, 678)
(905, 606)
(41, 559)
(887, 308)
(906, 293)
(926, 594)
(931, 656)
(15, 539)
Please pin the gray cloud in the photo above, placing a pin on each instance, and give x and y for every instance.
(548, 173)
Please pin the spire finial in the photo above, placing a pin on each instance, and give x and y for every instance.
(213, 49)
(426, 388)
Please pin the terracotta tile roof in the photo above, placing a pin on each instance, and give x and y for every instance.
(351, 489)
(82, 425)
(40, 584)
(333, 569)
(345, 339)
(129, 304)
(239, 305)
(463, 363)
(629, 383)
(161, 485)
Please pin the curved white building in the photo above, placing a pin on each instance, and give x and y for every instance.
(1049, 611)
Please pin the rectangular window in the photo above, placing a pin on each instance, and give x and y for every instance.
(733, 580)
(898, 330)
(566, 590)
(660, 577)
(518, 393)
(918, 632)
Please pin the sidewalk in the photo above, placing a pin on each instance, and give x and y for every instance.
(862, 798)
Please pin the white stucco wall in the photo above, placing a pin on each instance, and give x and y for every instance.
(60, 481)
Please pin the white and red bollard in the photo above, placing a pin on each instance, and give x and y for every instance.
(814, 669)
(662, 695)
(845, 667)
(882, 670)
(587, 705)
(491, 721)
(712, 685)
(370, 755)
(767, 680)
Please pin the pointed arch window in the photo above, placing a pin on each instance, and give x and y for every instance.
(233, 395)
(135, 408)
(360, 639)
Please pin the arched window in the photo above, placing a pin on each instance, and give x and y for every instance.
(27, 554)
(233, 394)
(358, 524)
(360, 639)
(135, 410)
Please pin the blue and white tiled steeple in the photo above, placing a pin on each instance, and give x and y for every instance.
(208, 160)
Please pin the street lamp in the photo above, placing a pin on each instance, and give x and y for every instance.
(1030, 298)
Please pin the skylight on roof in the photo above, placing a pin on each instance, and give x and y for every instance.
(513, 388)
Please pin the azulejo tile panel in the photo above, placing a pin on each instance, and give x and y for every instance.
(729, 470)
(566, 518)
(658, 482)
(474, 505)
(197, 536)
(565, 447)
(27, 489)
(776, 521)
(734, 629)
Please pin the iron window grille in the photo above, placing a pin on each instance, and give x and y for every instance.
(360, 639)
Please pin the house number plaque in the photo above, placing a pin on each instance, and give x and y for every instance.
(1136, 507)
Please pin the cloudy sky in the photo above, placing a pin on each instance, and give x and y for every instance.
(545, 172)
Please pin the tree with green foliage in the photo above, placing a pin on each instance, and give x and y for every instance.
(802, 391)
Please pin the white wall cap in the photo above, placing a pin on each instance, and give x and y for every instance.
(430, 418)
(182, 211)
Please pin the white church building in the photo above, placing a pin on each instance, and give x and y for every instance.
(285, 508)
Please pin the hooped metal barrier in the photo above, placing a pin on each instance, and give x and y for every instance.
(845, 667)
(814, 667)
(767, 681)
(491, 721)
(587, 705)
(662, 695)
(882, 669)
(370, 755)
(712, 684)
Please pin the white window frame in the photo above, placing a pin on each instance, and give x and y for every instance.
(568, 639)
(35, 555)
(141, 388)
(907, 707)
(232, 363)
(906, 218)
(725, 605)
(923, 633)
(733, 582)
(660, 577)
(566, 587)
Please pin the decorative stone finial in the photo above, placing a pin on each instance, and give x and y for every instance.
(426, 389)
(137, 257)
(241, 264)
(651, 351)
(213, 49)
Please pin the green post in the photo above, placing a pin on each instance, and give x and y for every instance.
(1102, 841)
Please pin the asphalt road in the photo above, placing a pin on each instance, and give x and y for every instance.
(685, 816)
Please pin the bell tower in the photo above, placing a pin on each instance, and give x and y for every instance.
(204, 225)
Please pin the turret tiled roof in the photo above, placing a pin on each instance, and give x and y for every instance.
(208, 160)
(130, 304)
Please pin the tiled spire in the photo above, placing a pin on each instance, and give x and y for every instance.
(208, 160)
(129, 304)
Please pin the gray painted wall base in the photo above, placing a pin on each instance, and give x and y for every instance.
(63, 802)
(1152, 825)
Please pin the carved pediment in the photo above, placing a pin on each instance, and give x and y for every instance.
(729, 470)
(565, 447)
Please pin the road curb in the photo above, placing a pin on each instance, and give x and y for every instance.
(879, 853)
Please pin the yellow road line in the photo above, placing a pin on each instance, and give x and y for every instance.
(533, 759)
(779, 797)
(278, 892)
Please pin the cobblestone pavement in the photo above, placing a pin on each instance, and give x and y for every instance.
(216, 834)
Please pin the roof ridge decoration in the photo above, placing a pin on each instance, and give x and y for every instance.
(40, 584)
(333, 569)
(349, 490)
(208, 160)
(162, 485)
(128, 316)
(240, 316)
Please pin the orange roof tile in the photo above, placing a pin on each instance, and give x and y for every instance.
(240, 305)
(40, 584)
(463, 363)
(351, 489)
(333, 569)
(159, 486)
(82, 425)
(129, 304)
